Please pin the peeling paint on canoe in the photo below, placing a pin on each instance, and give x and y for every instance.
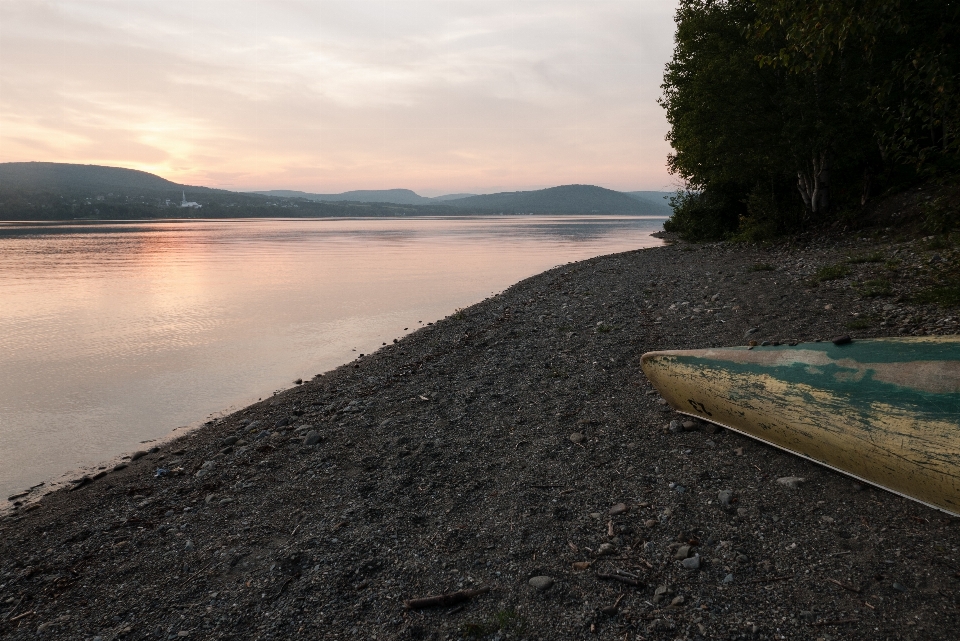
(886, 411)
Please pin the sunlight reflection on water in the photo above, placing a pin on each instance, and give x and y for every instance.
(115, 333)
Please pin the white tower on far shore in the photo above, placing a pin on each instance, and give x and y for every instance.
(191, 204)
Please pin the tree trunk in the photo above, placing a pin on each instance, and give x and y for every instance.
(815, 186)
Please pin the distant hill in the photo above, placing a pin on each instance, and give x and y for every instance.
(58, 191)
(396, 196)
(34, 177)
(53, 191)
(661, 199)
(566, 199)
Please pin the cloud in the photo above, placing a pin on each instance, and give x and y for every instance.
(432, 95)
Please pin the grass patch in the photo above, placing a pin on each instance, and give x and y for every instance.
(831, 272)
(875, 288)
(946, 294)
(875, 257)
(503, 621)
(762, 267)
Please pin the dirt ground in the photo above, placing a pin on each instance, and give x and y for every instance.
(516, 446)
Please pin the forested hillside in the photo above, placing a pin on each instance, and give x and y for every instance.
(788, 114)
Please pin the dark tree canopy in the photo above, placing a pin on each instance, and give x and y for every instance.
(786, 113)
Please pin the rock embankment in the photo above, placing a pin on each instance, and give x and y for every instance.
(516, 446)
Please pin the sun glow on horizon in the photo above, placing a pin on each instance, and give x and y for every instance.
(329, 96)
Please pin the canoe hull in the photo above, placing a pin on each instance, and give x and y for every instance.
(886, 411)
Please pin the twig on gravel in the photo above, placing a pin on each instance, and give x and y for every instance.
(444, 599)
(15, 607)
(844, 586)
(774, 578)
(20, 616)
(621, 579)
(836, 622)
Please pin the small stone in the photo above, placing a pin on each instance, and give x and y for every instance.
(230, 440)
(842, 340)
(899, 587)
(541, 583)
(752, 330)
(827, 519)
(618, 509)
(119, 466)
(712, 428)
(675, 426)
(676, 602)
(725, 497)
(137, 454)
(606, 549)
(312, 438)
(728, 578)
(682, 552)
(688, 426)
(283, 422)
(742, 512)
(793, 482)
(661, 593)
(209, 498)
(649, 523)
(580, 566)
(577, 438)
(807, 615)
(693, 563)
(226, 501)
(188, 546)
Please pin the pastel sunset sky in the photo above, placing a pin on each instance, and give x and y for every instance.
(438, 96)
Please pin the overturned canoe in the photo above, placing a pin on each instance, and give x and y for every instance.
(885, 411)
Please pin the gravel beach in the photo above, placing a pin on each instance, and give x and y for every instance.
(515, 454)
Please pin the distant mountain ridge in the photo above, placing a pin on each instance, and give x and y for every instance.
(396, 196)
(565, 199)
(48, 191)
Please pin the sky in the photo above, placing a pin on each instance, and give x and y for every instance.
(438, 96)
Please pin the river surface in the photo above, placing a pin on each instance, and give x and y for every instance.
(114, 334)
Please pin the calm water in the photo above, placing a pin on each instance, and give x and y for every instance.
(112, 334)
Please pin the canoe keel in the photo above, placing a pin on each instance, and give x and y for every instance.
(885, 411)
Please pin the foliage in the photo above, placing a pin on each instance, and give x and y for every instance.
(830, 272)
(788, 113)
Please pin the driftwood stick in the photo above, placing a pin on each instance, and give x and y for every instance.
(621, 579)
(444, 599)
(844, 586)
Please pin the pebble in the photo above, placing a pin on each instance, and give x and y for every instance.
(842, 340)
(312, 438)
(650, 523)
(693, 563)
(577, 438)
(541, 583)
(619, 508)
(728, 578)
(661, 593)
(676, 602)
(137, 454)
(675, 426)
(688, 426)
(752, 330)
(682, 552)
(225, 502)
(605, 549)
(899, 587)
(188, 546)
(230, 440)
(793, 482)
(725, 497)
(283, 422)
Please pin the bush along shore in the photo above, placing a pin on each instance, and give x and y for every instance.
(512, 460)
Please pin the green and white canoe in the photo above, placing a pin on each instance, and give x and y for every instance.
(885, 411)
